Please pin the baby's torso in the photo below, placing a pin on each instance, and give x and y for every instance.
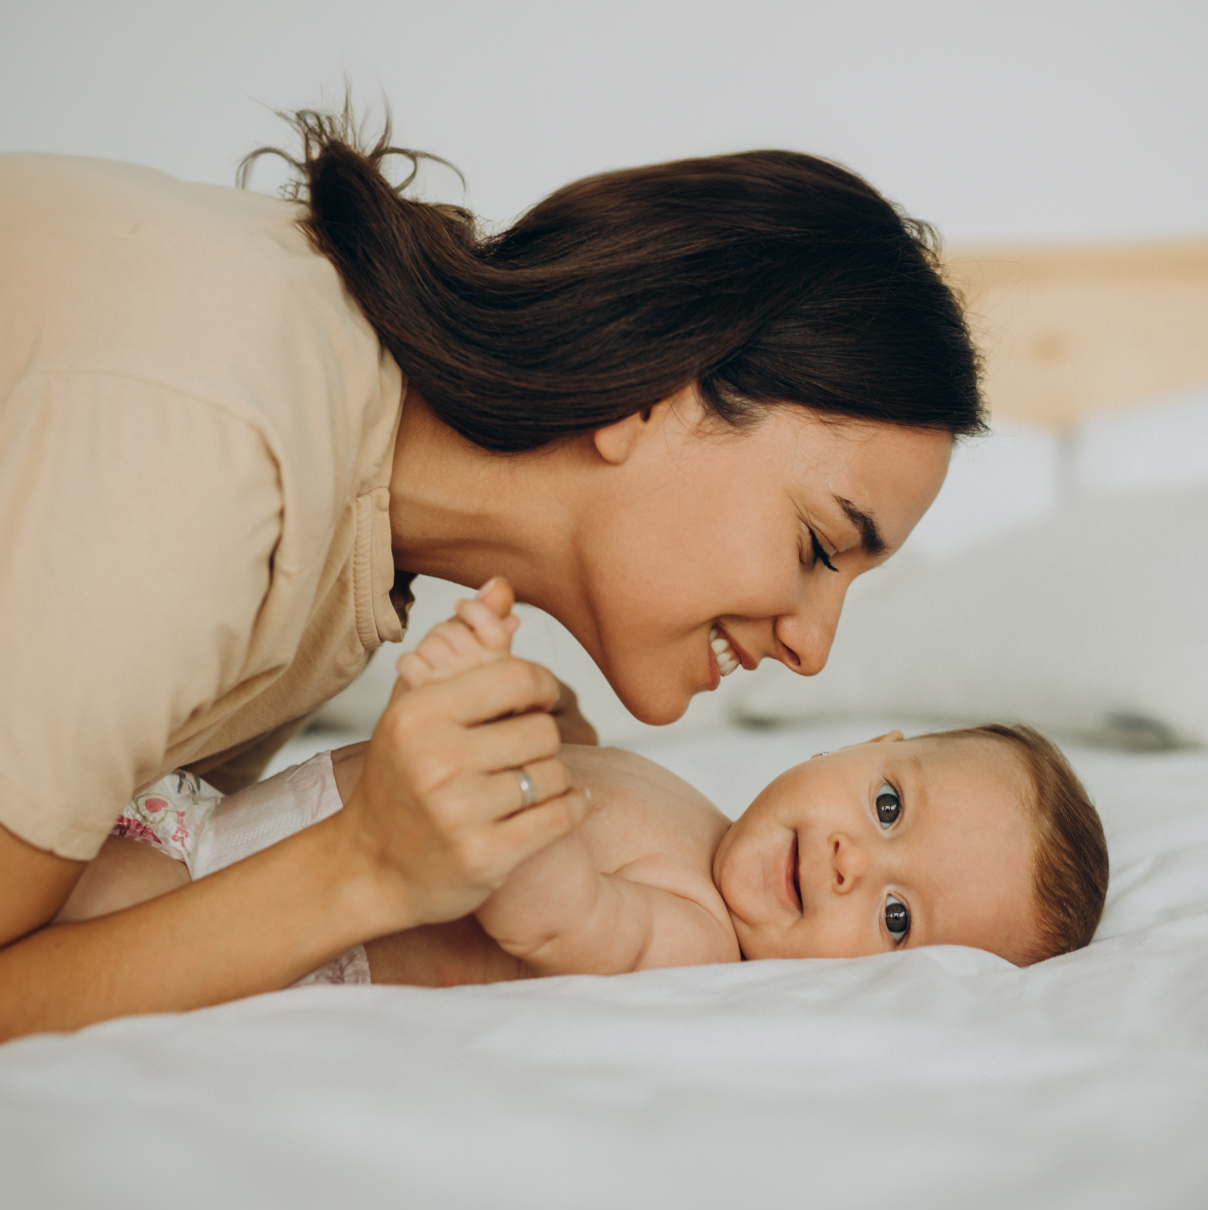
(649, 824)
(646, 825)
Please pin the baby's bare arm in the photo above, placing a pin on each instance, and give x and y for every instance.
(560, 915)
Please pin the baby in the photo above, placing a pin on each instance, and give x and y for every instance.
(981, 837)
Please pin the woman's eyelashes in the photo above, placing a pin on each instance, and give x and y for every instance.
(820, 554)
(889, 806)
(897, 919)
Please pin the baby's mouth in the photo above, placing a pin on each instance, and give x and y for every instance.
(795, 872)
(727, 658)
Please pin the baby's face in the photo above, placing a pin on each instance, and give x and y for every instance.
(890, 844)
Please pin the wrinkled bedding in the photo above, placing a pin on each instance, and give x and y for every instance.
(930, 1078)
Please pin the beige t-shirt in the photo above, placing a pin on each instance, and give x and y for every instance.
(196, 428)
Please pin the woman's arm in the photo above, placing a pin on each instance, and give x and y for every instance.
(254, 927)
(429, 831)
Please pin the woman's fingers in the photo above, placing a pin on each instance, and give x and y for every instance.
(574, 728)
(548, 778)
(507, 686)
(509, 743)
(530, 831)
(439, 797)
(485, 858)
(504, 686)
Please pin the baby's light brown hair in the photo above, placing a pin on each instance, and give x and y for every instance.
(1069, 861)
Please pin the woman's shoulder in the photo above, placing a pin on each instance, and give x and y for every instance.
(112, 272)
(84, 206)
(176, 279)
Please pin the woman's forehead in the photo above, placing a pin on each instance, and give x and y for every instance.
(880, 478)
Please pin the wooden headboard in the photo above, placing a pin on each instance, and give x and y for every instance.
(1069, 331)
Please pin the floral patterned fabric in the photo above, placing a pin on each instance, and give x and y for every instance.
(170, 815)
(352, 966)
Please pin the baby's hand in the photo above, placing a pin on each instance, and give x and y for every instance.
(480, 633)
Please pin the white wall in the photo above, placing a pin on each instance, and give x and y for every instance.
(1051, 120)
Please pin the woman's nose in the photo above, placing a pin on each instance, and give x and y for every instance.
(848, 863)
(804, 637)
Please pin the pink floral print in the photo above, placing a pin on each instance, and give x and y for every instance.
(169, 815)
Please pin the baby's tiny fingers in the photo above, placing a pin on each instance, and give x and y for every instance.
(413, 669)
(451, 639)
(497, 594)
(492, 631)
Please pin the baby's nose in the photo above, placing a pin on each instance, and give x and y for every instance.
(848, 863)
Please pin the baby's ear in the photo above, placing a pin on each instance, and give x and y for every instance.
(498, 596)
(890, 737)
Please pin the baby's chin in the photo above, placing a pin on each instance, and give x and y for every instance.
(759, 941)
(758, 947)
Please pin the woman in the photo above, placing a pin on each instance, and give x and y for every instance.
(679, 407)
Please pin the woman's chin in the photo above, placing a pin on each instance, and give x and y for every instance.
(655, 705)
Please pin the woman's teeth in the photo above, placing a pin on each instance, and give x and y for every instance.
(727, 661)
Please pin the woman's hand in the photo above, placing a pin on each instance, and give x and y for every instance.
(439, 810)
(482, 631)
(572, 726)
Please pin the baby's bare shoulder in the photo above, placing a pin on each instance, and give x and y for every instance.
(650, 826)
(642, 807)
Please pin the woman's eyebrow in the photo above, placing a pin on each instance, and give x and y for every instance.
(870, 537)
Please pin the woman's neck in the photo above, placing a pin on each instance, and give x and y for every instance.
(465, 514)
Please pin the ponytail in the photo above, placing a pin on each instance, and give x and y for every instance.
(766, 278)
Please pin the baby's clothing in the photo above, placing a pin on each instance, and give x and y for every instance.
(192, 822)
(170, 816)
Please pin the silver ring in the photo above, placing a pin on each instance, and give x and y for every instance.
(528, 791)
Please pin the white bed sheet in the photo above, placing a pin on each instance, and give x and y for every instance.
(932, 1078)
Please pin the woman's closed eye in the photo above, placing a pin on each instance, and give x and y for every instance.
(889, 806)
(820, 554)
(897, 919)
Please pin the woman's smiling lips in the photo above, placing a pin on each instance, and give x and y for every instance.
(730, 656)
(725, 656)
(719, 642)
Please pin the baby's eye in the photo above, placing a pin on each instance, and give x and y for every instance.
(889, 806)
(897, 918)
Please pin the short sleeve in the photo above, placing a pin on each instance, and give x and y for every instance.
(138, 527)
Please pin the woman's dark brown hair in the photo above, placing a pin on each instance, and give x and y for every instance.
(766, 278)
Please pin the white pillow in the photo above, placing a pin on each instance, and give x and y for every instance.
(1088, 621)
(1010, 476)
(1160, 444)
